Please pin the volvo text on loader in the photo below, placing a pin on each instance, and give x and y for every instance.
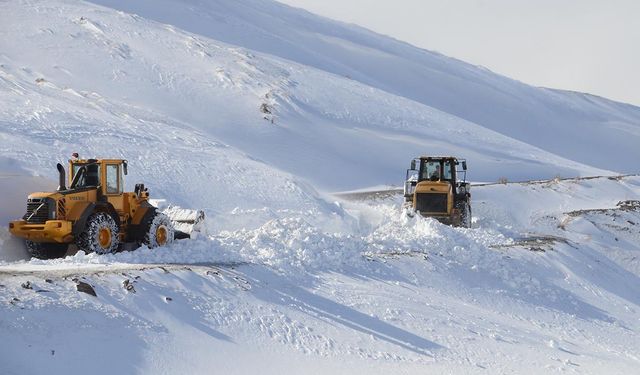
(94, 213)
(435, 186)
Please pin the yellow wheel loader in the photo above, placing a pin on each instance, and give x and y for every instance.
(94, 213)
(435, 186)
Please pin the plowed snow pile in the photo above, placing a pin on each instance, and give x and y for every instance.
(548, 288)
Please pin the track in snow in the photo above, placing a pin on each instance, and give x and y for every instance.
(69, 270)
(389, 193)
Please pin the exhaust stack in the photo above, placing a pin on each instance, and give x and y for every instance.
(61, 185)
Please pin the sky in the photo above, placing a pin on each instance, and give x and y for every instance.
(581, 45)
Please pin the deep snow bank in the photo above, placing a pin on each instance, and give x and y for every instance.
(396, 294)
(528, 216)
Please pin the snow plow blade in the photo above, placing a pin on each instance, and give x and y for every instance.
(187, 223)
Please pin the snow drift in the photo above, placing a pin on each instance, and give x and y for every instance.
(399, 295)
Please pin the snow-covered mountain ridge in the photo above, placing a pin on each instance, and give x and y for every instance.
(121, 64)
(568, 124)
(252, 110)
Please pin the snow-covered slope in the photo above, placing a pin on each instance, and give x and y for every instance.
(70, 99)
(568, 124)
(112, 69)
(243, 108)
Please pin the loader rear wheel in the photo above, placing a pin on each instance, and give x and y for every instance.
(43, 250)
(100, 235)
(159, 232)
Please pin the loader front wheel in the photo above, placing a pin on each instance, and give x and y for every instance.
(465, 215)
(100, 235)
(160, 231)
(42, 250)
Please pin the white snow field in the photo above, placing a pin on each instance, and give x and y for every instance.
(255, 112)
(534, 287)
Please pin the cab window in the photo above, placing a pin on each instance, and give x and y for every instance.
(113, 180)
(91, 176)
(430, 171)
(447, 170)
(75, 169)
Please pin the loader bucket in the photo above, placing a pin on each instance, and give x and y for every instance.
(187, 223)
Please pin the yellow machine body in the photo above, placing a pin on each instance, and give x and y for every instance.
(58, 216)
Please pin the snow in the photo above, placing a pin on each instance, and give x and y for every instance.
(568, 124)
(401, 293)
(325, 127)
(254, 112)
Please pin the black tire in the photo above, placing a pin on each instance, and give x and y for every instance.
(42, 250)
(465, 215)
(100, 234)
(159, 231)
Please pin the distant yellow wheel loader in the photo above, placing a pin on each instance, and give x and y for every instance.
(436, 187)
(94, 213)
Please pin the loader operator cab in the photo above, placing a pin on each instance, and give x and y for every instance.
(89, 174)
(436, 169)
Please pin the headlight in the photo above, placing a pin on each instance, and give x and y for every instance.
(52, 208)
